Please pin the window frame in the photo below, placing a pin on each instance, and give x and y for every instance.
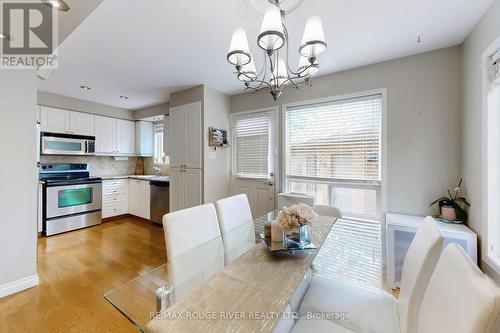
(382, 202)
(488, 214)
(155, 125)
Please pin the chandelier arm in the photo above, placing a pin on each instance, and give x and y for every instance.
(261, 82)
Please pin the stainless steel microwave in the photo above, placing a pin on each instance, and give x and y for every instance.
(63, 144)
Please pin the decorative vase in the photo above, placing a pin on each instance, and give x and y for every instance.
(298, 236)
(448, 213)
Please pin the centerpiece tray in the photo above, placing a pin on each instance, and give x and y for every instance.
(288, 245)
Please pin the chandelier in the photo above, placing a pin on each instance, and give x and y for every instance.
(276, 72)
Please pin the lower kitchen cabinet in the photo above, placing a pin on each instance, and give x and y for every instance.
(114, 197)
(139, 198)
(185, 188)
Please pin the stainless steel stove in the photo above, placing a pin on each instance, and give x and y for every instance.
(71, 198)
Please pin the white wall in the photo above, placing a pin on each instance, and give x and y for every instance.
(217, 180)
(481, 37)
(423, 117)
(18, 188)
(69, 103)
(151, 111)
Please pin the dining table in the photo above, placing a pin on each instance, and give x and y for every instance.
(250, 294)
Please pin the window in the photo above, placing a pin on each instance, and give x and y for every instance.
(158, 143)
(333, 152)
(491, 142)
(252, 137)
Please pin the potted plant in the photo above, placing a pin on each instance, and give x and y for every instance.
(451, 206)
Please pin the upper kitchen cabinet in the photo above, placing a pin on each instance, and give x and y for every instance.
(185, 136)
(144, 138)
(114, 137)
(125, 137)
(62, 121)
(105, 135)
(81, 123)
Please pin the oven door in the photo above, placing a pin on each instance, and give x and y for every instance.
(72, 199)
(52, 145)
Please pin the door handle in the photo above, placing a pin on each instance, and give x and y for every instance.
(270, 183)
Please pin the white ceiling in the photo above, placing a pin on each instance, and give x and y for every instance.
(149, 49)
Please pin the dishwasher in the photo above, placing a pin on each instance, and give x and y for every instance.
(160, 200)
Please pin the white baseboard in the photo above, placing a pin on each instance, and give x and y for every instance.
(19, 285)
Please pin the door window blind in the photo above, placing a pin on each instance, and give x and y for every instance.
(338, 140)
(252, 134)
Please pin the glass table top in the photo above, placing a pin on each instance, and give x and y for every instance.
(357, 255)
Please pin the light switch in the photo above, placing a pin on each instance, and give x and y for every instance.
(212, 155)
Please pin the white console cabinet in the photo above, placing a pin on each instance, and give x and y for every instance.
(400, 232)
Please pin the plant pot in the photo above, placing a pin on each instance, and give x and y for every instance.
(448, 213)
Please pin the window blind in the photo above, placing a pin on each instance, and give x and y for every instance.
(252, 133)
(338, 140)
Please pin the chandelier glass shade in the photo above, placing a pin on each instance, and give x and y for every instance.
(276, 73)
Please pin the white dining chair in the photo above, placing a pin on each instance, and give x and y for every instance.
(375, 310)
(327, 211)
(236, 225)
(194, 247)
(459, 299)
(289, 199)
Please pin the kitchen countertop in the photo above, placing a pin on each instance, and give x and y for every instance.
(139, 177)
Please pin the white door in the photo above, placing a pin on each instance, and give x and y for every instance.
(192, 132)
(144, 199)
(254, 137)
(133, 197)
(176, 189)
(54, 120)
(125, 137)
(192, 187)
(105, 135)
(82, 123)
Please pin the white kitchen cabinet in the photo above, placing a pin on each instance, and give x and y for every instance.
(144, 138)
(144, 199)
(139, 198)
(105, 135)
(54, 120)
(125, 137)
(192, 187)
(62, 121)
(133, 197)
(185, 188)
(81, 123)
(166, 135)
(114, 197)
(114, 137)
(185, 141)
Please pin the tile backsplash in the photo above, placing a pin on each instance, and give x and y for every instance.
(101, 165)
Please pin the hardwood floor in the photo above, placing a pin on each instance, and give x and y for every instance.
(75, 270)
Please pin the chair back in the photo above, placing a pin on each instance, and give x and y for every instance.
(327, 211)
(417, 269)
(194, 247)
(236, 225)
(289, 199)
(460, 298)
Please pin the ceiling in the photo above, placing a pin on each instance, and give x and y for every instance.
(148, 49)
